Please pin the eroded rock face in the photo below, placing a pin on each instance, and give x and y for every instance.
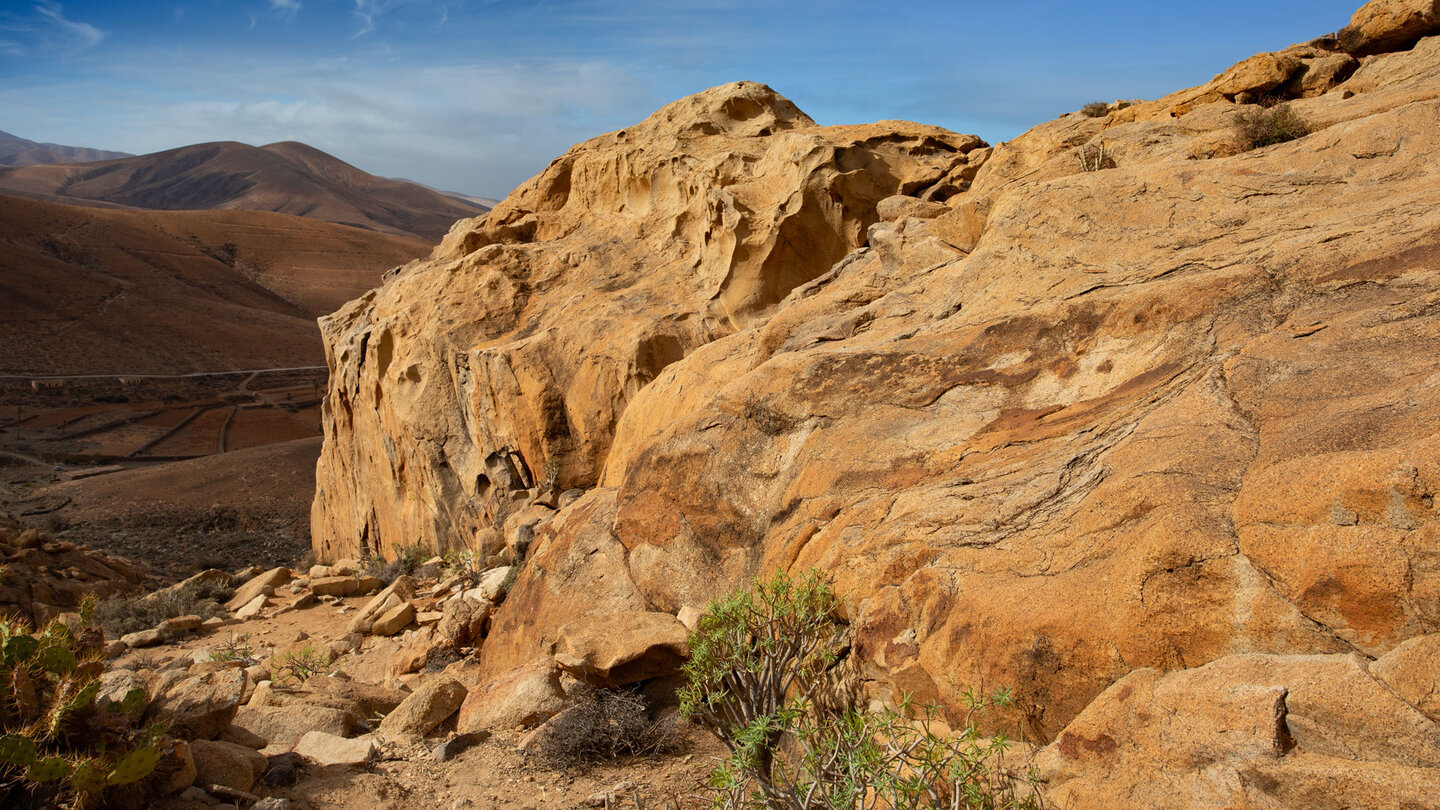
(1389, 25)
(504, 362)
(1247, 731)
(1066, 426)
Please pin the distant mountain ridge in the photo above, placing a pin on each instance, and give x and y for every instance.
(286, 177)
(18, 151)
(89, 290)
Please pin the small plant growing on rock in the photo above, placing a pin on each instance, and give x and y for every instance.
(297, 666)
(1093, 158)
(236, 650)
(1266, 126)
(464, 562)
(508, 583)
(56, 744)
(758, 657)
(1095, 109)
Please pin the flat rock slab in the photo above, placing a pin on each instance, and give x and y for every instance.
(394, 620)
(327, 749)
(622, 648)
(261, 585)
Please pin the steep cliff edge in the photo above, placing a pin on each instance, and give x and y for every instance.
(1046, 427)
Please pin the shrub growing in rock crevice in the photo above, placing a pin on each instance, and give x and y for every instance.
(295, 667)
(407, 559)
(758, 657)
(1266, 126)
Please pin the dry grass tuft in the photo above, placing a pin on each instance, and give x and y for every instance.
(1266, 126)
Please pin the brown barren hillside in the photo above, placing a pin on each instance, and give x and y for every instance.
(17, 151)
(1122, 414)
(85, 290)
(288, 178)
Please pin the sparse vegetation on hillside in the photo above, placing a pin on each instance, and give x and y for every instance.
(57, 747)
(758, 657)
(1257, 127)
(127, 614)
(1095, 109)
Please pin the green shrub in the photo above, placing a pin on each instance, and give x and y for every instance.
(235, 650)
(56, 745)
(756, 660)
(119, 615)
(1095, 109)
(604, 724)
(297, 666)
(1265, 126)
(407, 559)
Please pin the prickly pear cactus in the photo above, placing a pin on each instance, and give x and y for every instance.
(17, 750)
(53, 739)
(134, 700)
(89, 776)
(135, 765)
(47, 769)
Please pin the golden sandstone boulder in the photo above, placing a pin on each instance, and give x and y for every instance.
(1248, 731)
(1389, 25)
(1068, 430)
(504, 362)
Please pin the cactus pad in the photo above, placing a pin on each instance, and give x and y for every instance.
(89, 776)
(133, 700)
(17, 750)
(19, 648)
(135, 765)
(55, 658)
(47, 769)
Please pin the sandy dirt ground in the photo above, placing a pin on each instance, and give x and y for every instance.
(494, 774)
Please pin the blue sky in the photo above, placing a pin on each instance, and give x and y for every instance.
(477, 95)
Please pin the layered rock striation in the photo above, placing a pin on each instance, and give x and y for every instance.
(1045, 427)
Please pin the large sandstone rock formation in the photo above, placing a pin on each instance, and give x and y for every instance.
(507, 359)
(1062, 427)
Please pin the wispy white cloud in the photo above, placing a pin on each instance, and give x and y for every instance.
(43, 28)
(83, 34)
(287, 9)
(480, 128)
(370, 12)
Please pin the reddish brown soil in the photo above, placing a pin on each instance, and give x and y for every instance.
(87, 473)
(248, 507)
(85, 290)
